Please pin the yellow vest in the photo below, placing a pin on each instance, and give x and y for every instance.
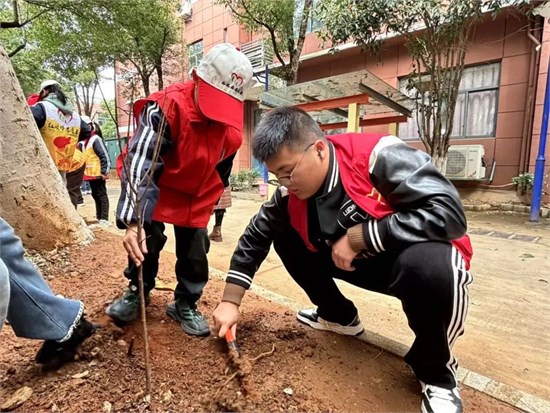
(93, 164)
(79, 159)
(60, 133)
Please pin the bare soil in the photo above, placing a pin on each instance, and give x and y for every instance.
(283, 366)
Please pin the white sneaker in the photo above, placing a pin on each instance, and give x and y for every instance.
(439, 400)
(311, 318)
(104, 223)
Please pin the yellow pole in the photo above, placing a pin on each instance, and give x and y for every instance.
(392, 129)
(353, 117)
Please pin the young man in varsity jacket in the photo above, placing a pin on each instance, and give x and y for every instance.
(203, 121)
(374, 212)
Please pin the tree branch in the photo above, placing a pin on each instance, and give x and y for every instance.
(17, 49)
(270, 29)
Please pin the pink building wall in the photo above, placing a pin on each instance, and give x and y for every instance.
(539, 103)
(502, 40)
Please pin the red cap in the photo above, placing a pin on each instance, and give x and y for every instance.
(32, 99)
(219, 106)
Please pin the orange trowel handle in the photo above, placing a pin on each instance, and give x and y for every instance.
(231, 342)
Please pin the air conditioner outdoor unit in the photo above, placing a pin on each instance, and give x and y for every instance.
(186, 11)
(465, 162)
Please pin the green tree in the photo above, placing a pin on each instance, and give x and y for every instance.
(145, 34)
(75, 39)
(283, 22)
(60, 45)
(437, 35)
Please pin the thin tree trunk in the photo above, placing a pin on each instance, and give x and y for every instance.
(146, 88)
(33, 198)
(160, 78)
(77, 100)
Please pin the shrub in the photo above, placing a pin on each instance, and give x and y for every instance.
(524, 182)
(244, 180)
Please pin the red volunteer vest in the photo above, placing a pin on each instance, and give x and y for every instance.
(353, 152)
(189, 184)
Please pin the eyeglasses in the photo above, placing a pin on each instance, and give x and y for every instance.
(287, 180)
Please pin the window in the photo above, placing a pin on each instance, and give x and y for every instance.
(313, 24)
(476, 105)
(195, 54)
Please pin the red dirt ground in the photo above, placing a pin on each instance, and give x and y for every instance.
(325, 372)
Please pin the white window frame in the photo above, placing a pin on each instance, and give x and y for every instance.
(466, 92)
(194, 54)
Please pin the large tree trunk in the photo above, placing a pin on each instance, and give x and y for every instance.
(33, 198)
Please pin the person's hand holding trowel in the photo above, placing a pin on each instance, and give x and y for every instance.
(225, 318)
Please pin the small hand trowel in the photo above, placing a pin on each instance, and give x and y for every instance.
(232, 343)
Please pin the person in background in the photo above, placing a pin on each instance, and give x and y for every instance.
(224, 170)
(75, 174)
(59, 125)
(33, 99)
(85, 188)
(33, 310)
(98, 166)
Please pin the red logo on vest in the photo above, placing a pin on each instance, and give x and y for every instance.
(61, 142)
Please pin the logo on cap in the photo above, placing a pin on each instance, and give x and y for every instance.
(237, 79)
(226, 69)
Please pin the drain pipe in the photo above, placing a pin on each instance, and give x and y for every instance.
(539, 164)
(534, 65)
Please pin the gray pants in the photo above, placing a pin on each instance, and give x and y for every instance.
(32, 309)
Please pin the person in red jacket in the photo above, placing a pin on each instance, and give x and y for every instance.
(197, 124)
(372, 211)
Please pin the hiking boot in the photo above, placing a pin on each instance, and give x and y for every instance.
(311, 318)
(53, 354)
(216, 234)
(126, 308)
(191, 320)
(439, 400)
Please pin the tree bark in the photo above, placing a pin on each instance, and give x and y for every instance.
(145, 83)
(439, 162)
(77, 100)
(160, 78)
(33, 198)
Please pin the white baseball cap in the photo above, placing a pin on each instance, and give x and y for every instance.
(47, 83)
(223, 76)
(86, 119)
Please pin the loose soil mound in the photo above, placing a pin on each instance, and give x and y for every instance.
(283, 366)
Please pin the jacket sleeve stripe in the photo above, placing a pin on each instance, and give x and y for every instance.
(145, 138)
(137, 164)
(106, 153)
(373, 241)
(377, 235)
(243, 281)
(242, 274)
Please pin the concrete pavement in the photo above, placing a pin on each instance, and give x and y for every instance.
(507, 335)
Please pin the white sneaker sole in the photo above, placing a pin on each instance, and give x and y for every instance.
(334, 327)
